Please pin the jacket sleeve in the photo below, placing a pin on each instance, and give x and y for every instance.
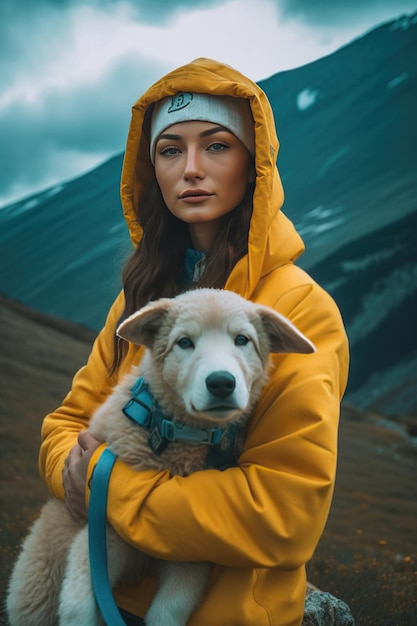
(271, 510)
(90, 387)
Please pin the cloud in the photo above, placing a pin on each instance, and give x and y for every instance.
(144, 11)
(31, 32)
(355, 13)
(70, 70)
(67, 94)
(161, 12)
(66, 132)
(66, 104)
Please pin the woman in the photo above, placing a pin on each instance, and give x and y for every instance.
(202, 196)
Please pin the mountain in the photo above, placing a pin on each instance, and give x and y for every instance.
(372, 520)
(62, 250)
(348, 160)
(374, 281)
(348, 129)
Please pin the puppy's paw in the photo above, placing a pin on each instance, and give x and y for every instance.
(78, 609)
(163, 616)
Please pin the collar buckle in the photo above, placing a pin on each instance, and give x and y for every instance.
(215, 436)
(157, 442)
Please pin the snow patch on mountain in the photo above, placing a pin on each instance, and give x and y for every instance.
(387, 295)
(397, 80)
(27, 206)
(52, 191)
(371, 259)
(306, 98)
(331, 160)
(378, 394)
(19, 208)
(404, 22)
(320, 220)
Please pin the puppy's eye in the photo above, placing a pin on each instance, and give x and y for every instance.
(241, 340)
(185, 343)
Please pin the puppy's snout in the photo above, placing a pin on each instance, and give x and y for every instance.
(221, 384)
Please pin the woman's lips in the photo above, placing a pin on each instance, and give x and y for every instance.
(195, 195)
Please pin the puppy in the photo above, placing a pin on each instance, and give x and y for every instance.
(205, 364)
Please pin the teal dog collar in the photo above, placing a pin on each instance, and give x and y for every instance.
(143, 409)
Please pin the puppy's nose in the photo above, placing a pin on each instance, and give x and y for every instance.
(221, 384)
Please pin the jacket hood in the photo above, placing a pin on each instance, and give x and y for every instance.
(273, 240)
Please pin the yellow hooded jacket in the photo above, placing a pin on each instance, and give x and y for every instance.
(259, 523)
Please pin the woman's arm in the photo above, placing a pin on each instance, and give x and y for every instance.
(271, 510)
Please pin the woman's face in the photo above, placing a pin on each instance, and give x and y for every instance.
(203, 172)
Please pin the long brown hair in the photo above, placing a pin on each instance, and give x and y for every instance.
(156, 268)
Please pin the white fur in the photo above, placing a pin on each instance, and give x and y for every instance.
(52, 574)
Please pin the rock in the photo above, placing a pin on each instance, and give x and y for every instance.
(323, 609)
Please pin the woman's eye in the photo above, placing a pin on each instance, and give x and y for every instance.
(241, 340)
(169, 151)
(185, 343)
(217, 147)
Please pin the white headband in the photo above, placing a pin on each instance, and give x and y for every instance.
(232, 113)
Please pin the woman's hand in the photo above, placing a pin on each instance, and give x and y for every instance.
(74, 474)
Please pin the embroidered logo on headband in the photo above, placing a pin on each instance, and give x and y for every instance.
(180, 101)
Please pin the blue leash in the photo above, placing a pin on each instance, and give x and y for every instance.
(97, 513)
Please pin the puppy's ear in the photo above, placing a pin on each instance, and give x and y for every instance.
(283, 335)
(142, 326)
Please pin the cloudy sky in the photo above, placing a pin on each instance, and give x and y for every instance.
(71, 69)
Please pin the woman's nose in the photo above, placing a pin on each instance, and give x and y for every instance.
(193, 165)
